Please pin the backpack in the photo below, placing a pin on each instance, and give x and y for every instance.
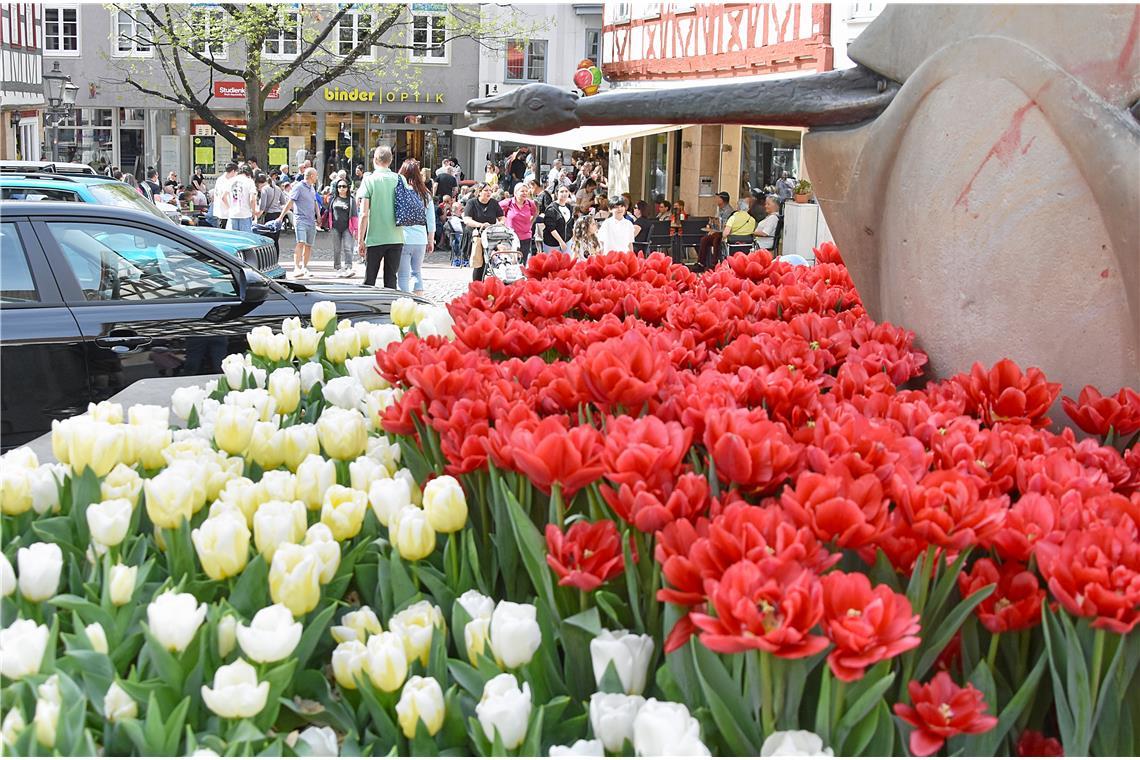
(409, 206)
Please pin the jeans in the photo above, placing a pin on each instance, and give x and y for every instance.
(389, 256)
(526, 248)
(243, 224)
(456, 246)
(343, 243)
(411, 260)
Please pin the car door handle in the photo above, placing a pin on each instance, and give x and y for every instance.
(123, 344)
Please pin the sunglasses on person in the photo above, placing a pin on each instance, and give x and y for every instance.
(338, 187)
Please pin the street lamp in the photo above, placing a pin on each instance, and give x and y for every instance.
(60, 92)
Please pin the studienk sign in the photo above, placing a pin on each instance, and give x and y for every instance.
(237, 90)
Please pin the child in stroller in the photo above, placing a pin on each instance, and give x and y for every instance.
(503, 257)
(459, 257)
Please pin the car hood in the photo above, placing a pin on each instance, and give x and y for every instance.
(230, 239)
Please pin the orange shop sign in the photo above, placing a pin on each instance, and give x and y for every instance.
(237, 90)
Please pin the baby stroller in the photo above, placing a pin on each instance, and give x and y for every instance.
(502, 254)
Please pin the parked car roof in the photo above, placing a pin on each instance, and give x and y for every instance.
(47, 167)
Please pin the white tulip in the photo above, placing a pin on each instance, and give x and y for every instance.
(237, 693)
(39, 567)
(403, 312)
(7, 576)
(384, 451)
(505, 709)
(348, 661)
(266, 446)
(243, 494)
(373, 406)
(235, 367)
(45, 481)
(357, 625)
(222, 542)
(387, 497)
(382, 336)
(794, 744)
(227, 635)
(121, 483)
(312, 373)
(365, 371)
(271, 636)
(174, 619)
(445, 504)
(406, 475)
(285, 387)
(305, 342)
(580, 748)
(108, 521)
(515, 634)
(122, 584)
(257, 399)
(630, 655)
(98, 638)
(118, 705)
(411, 534)
(234, 428)
(277, 485)
(321, 740)
(343, 511)
(386, 663)
(22, 458)
(612, 716)
(364, 471)
(421, 701)
(175, 494)
(276, 523)
(315, 476)
(106, 411)
(344, 392)
(98, 445)
(48, 706)
(436, 321)
(15, 490)
(322, 313)
(475, 635)
(478, 606)
(325, 549)
(22, 648)
(341, 345)
(666, 728)
(149, 414)
(185, 400)
(11, 728)
(343, 433)
(416, 625)
(289, 325)
(299, 442)
(257, 337)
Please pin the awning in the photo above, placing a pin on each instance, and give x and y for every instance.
(575, 139)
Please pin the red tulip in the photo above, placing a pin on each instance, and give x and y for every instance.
(866, 625)
(1097, 414)
(551, 453)
(651, 510)
(1005, 394)
(941, 709)
(623, 372)
(644, 450)
(946, 510)
(750, 451)
(1036, 744)
(585, 556)
(1095, 573)
(1016, 602)
(848, 512)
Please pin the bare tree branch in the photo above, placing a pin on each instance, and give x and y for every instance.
(187, 46)
(310, 49)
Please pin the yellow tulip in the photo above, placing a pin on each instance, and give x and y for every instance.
(343, 433)
(294, 579)
(343, 511)
(233, 428)
(445, 504)
(222, 544)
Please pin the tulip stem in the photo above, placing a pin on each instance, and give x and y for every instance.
(991, 658)
(558, 508)
(1097, 663)
(768, 720)
(837, 705)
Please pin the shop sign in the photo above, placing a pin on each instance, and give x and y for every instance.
(357, 95)
(237, 90)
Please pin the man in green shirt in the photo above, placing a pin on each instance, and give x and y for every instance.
(380, 239)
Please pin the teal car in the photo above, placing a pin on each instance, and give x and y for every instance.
(255, 251)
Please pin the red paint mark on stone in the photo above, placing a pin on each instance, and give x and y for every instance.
(1129, 43)
(1104, 275)
(1003, 150)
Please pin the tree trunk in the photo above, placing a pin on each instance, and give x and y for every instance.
(256, 130)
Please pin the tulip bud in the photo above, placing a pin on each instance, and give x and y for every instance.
(276, 523)
(237, 693)
(285, 387)
(315, 476)
(7, 576)
(445, 504)
(233, 428)
(98, 638)
(476, 605)
(630, 655)
(363, 472)
(235, 367)
(515, 635)
(121, 483)
(11, 728)
(106, 411)
(794, 744)
(413, 487)
(343, 392)
(415, 625)
(277, 348)
(44, 482)
(227, 635)
(122, 580)
(22, 458)
(357, 625)
(298, 442)
(387, 497)
(612, 716)
(98, 445)
(294, 579)
(15, 491)
(666, 728)
(348, 662)
(305, 342)
(145, 444)
(290, 325)
(343, 433)
(475, 635)
(118, 705)
(256, 338)
(580, 748)
(384, 451)
(271, 636)
(244, 495)
(108, 522)
(321, 740)
(40, 565)
(256, 399)
(435, 321)
(382, 336)
(322, 313)
(22, 648)
(174, 619)
(364, 370)
(48, 705)
(277, 485)
(386, 663)
(185, 400)
(312, 373)
(403, 312)
(172, 496)
(421, 701)
(266, 446)
(325, 549)
(340, 346)
(343, 511)
(412, 534)
(222, 544)
(505, 709)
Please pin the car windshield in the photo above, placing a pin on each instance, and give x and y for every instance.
(123, 196)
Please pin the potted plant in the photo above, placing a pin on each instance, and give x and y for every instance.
(802, 191)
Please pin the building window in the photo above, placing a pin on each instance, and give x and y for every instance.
(354, 28)
(429, 33)
(131, 37)
(649, 10)
(620, 11)
(594, 45)
(526, 61)
(285, 40)
(61, 31)
(206, 30)
(865, 10)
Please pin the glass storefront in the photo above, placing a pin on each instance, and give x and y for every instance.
(656, 165)
(86, 137)
(765, 154)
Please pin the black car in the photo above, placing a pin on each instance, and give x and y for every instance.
(94, 298)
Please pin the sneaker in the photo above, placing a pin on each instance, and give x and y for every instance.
(296, 273)
(349, 273)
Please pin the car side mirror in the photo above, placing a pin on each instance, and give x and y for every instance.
(253, 287)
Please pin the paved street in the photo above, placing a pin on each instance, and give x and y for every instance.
(442, 282)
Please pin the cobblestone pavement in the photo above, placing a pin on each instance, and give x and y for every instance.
(442, 281)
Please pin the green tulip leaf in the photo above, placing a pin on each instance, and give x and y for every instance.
(933, 646)
(252, 588)
(739, 729)
(855, 711)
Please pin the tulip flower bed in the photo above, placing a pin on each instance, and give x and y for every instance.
(615, 508)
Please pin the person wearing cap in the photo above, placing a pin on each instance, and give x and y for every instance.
(616, 233)
(710, 243)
